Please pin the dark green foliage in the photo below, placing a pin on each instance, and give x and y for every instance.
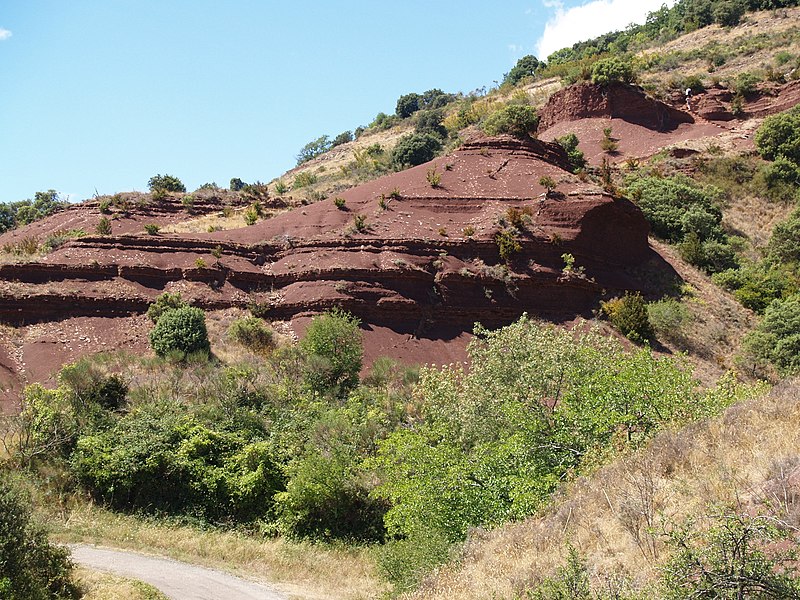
(236, 184)
(738, 557)
(165, 183)
(332, 346)
(782, 172)
(525, 67)
(610, 70)
(159, 459)
(415, 149)
(342, 138)
(30, 567)
(728, 13)
(519, 121)
(784, 245)
(180, 331)
(163, 303)
(430, 121)
(313, 149)
(435, 98)
(490, 444)
(629, 315)
(407, 105)
(756, 285)
(776, 340)
(576, 158)
(710, 255)
(779, 136)
(383, 121)
(17, 214)
(253, 333)
(675, 206)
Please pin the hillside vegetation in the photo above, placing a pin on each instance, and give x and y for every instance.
(591, 460)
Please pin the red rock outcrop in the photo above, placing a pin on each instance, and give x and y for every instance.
(616, 100)
(413, 251)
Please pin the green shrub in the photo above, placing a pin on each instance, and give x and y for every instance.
(629, 315)
(728, 13)
(784, 245)
(152, 228)
(103, 226)
(608, 144)
(576, 158)
(180, 331)
(304, 179)
(252, 333)
(779, 135)
(430, 121)
(675, 206)
(383, 121)
(342, 138)
(339, 202)
(507, 244)
(164, 302)
(250, 215)
(313, 149)
(236, 184)
(668, 317)
(407, 105)
(527, 66)
(776, 340)
(519, 121)
(332, 347)
(165, 183)
(415, 149)
(281, 188)
(30, 567)
(756, 285)
(609, 70)
(105, 206)
(158, 459)
(745, 84)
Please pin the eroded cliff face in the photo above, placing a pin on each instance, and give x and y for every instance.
(413, 251)
(616, 101)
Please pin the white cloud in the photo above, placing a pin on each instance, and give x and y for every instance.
(591, 19)
(4, 34)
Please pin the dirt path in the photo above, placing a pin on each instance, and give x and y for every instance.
(176, 580)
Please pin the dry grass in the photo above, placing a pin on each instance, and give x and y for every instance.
(299, 569)
(747, 459)
(103, 586)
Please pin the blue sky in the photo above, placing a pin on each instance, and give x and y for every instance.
(103, 94)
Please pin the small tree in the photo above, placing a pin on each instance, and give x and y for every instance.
(525, 67)
(609, 70)
(313, 149)
(629, 315)
(415, 149)
(164, 302)
(332, 346)
(237, 184)
(165, 183)
(779, 135)
(407, 105)
(103, 226)
(519, 121)
(30, 568)
(180, 330)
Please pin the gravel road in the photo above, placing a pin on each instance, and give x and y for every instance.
(176, 580)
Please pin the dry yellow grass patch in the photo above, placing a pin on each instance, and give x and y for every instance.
(747, 459)
(299, 569)
(104, 586)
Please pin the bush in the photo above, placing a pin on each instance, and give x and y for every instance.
(507, 244)
(668, 317)
(415, 149)
(252, 333)
(165, 183)
(164, 302)
(304, 179)
(152, 228)
(103, 226)
(779, 135)
(236, 184)
(728, 13)
(525, 67)
(776, 340)
(407, 105)
(784, 245)
(30, 567)
(629, 315)
(576, 158)
(430, 121)
(180, 331)
(313, 149)
(519, 121)
(609, 70)
(342, 138)
(157, 459)
(332, 347)
(674, 207)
